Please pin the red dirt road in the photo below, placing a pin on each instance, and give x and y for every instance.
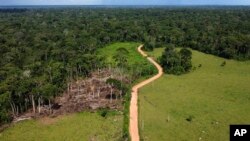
(133, 124)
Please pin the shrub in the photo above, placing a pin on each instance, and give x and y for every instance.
(103, 112)
(223, 64)
(190, 118)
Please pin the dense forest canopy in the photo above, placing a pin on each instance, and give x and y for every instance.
(41, 49)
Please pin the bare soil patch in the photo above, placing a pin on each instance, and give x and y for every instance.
(49, 120)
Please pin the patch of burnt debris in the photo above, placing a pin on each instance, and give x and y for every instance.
(89, 94)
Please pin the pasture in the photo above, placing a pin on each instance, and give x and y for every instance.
(80, 126)
(133, 56)
(199, 105)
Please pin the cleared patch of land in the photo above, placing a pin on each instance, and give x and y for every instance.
(138, 68)
(133, 55)
(80, 126)
(199, 105)
(75, 127)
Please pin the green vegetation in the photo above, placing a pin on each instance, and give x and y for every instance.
(41, 49)
(121, 57)
(126, 57)
(110, 53)
(199, 105)
(119, 85)
(174, 62)
(80, 126)
(135, 66)
(107, 125)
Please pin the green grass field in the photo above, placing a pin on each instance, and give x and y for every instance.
(196, 106)
(83, 126)
(133, 56)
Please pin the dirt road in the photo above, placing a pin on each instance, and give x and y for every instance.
(133, 125)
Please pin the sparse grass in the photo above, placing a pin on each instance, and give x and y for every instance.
(199, 105)
(77, 127)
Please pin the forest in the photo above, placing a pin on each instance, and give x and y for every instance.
(41, 49)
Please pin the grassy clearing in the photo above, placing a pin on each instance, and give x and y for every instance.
(199, 105)
(137, 65)
(76, 127)
(133, 56)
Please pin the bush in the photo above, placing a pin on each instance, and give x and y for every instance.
(190, 118)
(4, 117)
(223, 64)
(103, 112)
(126, 116)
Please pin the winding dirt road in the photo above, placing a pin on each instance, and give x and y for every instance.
(133, 124)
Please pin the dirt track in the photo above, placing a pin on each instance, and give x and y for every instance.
(133, 126)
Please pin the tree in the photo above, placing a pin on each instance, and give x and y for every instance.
(121, 57)
(5, 105)
(186, 56)
(150, 43)
(58, 45)
(48, 91)
(169, 59)
(176, 62)
(118, 85)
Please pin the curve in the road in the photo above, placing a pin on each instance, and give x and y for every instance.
(133, 124)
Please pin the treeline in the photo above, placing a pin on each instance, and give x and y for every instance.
(13, 10)
(42, 49)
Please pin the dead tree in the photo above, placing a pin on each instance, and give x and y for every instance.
(98, 93)
(93, 90)
(111, 93)
(33, 103)
(39, 105)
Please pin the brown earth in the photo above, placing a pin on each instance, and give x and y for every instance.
(48, 120)
(90, 94)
